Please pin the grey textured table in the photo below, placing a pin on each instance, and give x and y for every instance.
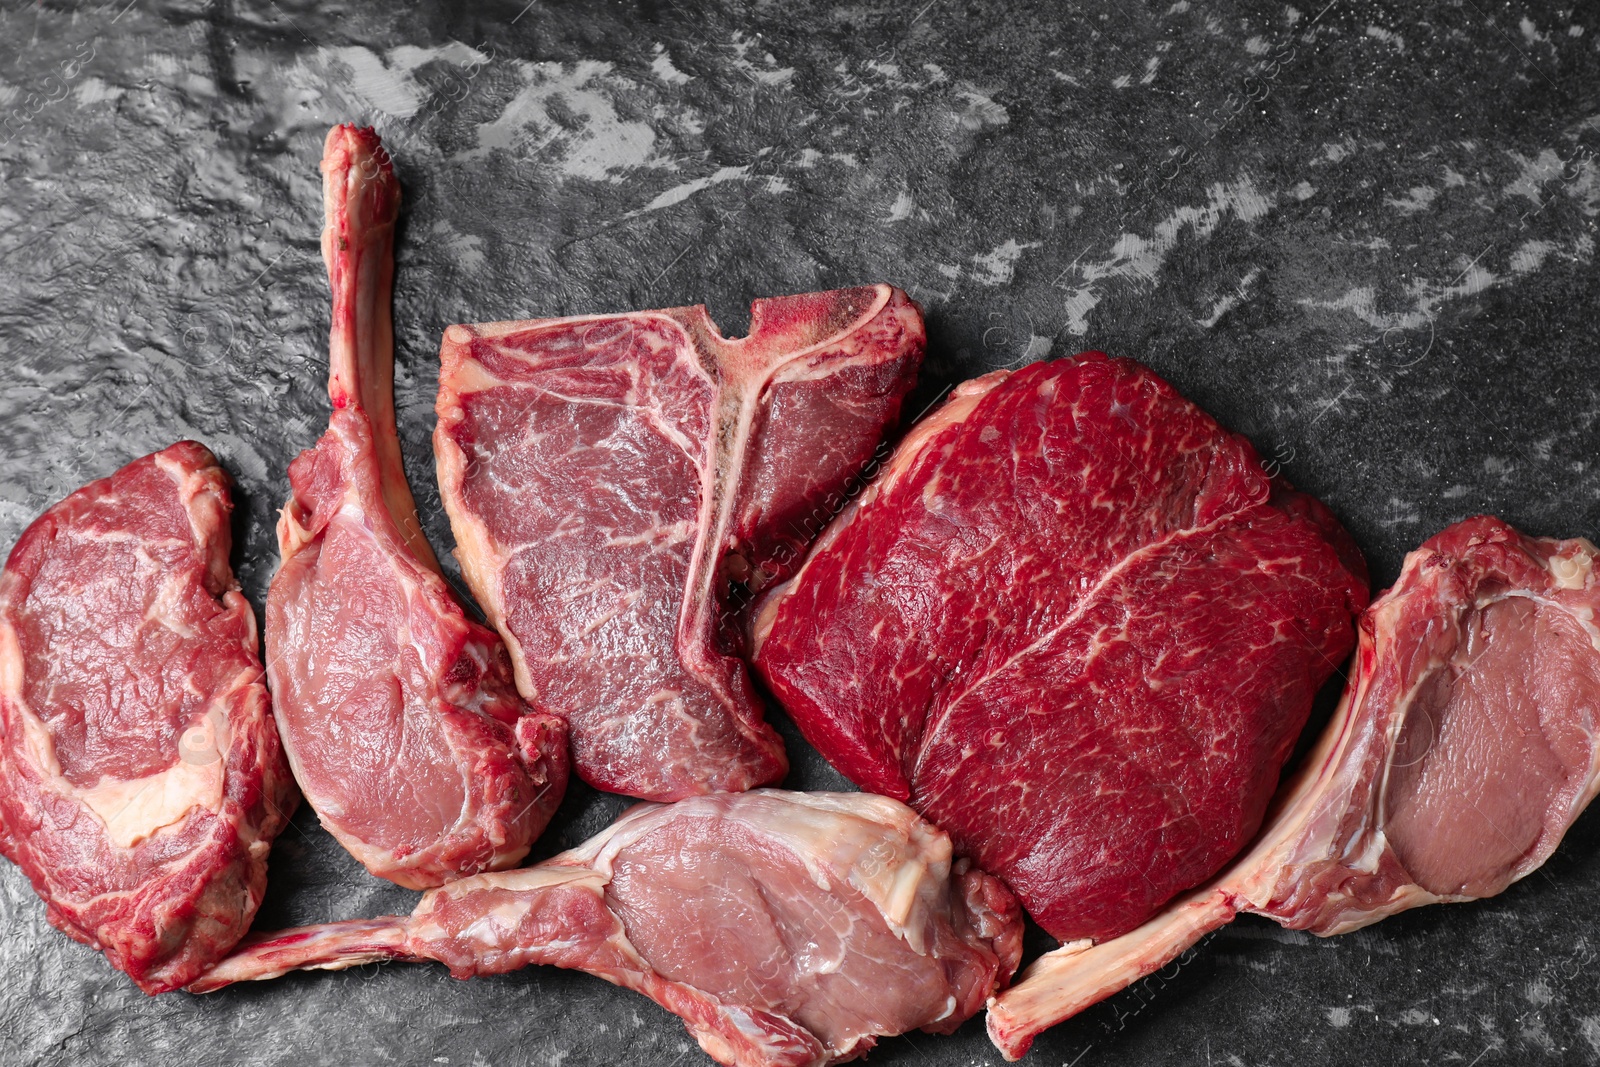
(1364, 237)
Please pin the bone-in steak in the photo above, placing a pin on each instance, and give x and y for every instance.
(1075, 624)
(1464, 747)
(141, 780)
(399, 714)
(787, 929)
(617, 483)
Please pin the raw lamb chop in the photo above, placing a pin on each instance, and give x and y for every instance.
(399, 714)
(1464, 748)
(785, 928)
(619, 484)
(1078, 627)
(141, 780)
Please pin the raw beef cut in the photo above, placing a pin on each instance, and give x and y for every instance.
(141, 780)
(1463, 749)
(1078, 627)
(620, 484)
(785, 928)
(399, 714)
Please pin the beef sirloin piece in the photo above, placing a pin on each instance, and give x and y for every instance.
(1463, 749)
(141, 781)
(1076, 625)
(617, 483)
(787, 929)
(399, 713)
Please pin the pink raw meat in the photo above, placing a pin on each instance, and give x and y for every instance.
(141, 780)
(786, 929)
(1077, 626)
(399, 714)
(619, 484)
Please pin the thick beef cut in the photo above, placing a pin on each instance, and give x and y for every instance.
(141, 781)
(1078, 627)
(1465, 746)
(619, 484)
(785, 928)
(400, 715)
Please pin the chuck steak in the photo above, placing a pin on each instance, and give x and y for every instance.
(141, 781)
(619, 484)
(399, 714)
(1077, 626)
(1463, 749)
(786, 929)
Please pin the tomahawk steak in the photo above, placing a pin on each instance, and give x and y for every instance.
(1075, 624)
(619, 484)
(399, 714)
(1464, 747)
(786, 929)
(141, 781)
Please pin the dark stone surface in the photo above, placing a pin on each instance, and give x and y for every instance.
(1363, 236)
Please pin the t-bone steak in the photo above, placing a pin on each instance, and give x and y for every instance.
(786, 929)
(619, 484)
(1464, 747)
(1077, 626)
(141, 780)
(399, 714)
